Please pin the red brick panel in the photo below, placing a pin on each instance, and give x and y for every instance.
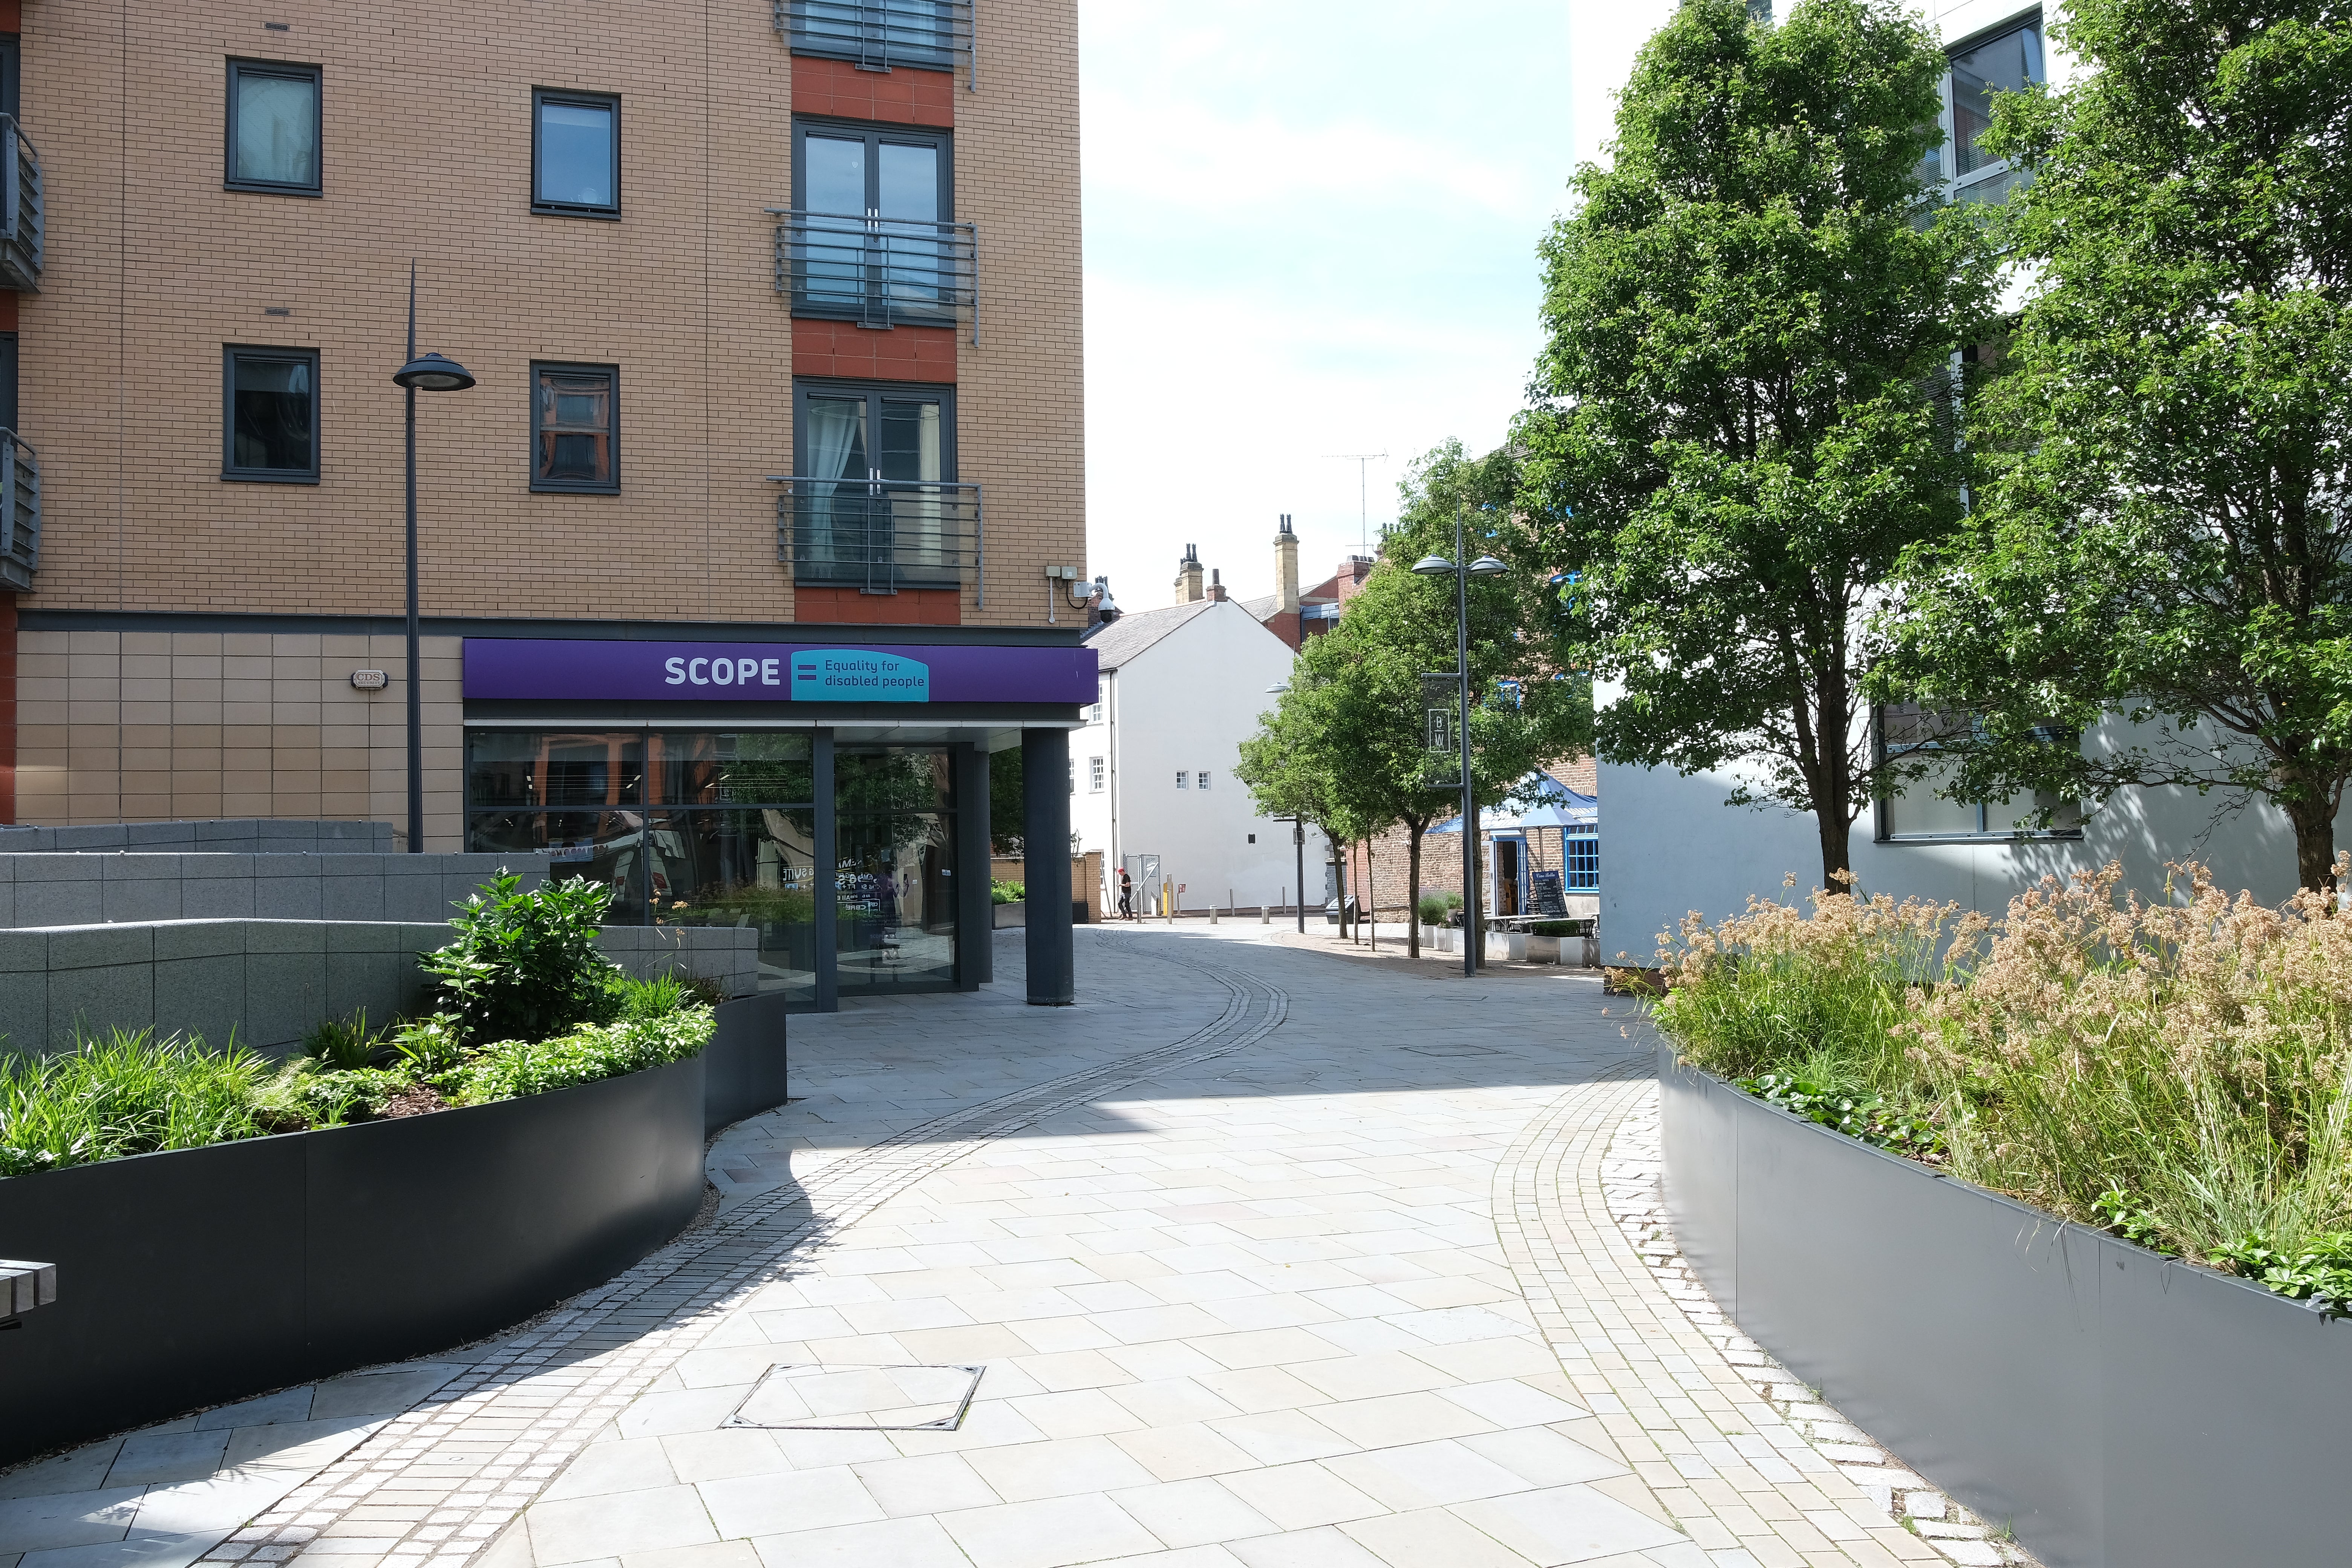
(907, 608)
(902, 353)
(899, 96)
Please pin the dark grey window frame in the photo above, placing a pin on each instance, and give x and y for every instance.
(229, 470)
(1951, 182)
(1883, 810)
(541, 96)
(317, 75)
(826, 386)
(874, 135)
(613, 430)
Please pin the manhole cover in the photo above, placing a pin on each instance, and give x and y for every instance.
(859, 1398)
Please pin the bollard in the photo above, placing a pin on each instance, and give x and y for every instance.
(1213, 914)
(1265, 916)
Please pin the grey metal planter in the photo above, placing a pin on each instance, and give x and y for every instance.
(2118, 1409)
(1010, 916)
(206, 1275)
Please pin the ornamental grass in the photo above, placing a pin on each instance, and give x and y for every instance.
(2177, 1069)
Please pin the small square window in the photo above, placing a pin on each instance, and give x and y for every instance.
(575, 153)
(1183, 779)
(1204, 779)
(273, 127)
(575, 420)
(269, 416)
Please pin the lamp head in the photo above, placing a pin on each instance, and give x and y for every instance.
(1487, 566)
(1432, 566)
(432, 373)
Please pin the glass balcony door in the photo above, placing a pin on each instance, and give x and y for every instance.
(874, 205)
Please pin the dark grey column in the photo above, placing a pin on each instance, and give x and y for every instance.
(828, 858)
(975, 914)
(1045, 832)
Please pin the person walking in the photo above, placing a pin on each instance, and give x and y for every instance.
(1126, 895)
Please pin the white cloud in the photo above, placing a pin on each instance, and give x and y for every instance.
(1310, 229)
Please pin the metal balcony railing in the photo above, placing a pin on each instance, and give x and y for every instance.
(21, 220)
(876, 272)
(20, 514)
(927, 34)
(880, 535)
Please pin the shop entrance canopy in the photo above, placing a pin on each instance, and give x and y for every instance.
(1538, 800)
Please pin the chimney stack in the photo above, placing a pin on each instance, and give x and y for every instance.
(1217, 586)
(1285, 569)
(1188, 576)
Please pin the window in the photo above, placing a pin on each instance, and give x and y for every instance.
(2007, 61)
(1583, 854)
(1919, 813)
(575, 153)
(273, 127)
(1093, 776)
(1183, 779)
(574, 421)
(874, 238)
(1204, 779)
(269, 418)
(874, 500)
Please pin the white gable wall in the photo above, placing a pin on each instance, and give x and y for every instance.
(1187, 703)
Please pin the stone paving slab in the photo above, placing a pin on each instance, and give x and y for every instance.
(1265, 1259)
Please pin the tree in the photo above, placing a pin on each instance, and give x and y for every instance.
(2167, 446)
(1752, 316)
(1346, 743)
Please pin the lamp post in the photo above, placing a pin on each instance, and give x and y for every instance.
(1485, 566)
(430, 374)
(1297, 836)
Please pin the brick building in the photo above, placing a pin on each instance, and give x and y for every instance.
(773, 315)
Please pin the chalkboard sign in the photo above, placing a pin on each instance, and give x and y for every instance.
(1544, 893)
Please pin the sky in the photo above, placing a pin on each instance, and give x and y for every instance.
(1310, 228)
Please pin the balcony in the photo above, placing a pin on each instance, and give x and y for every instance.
(20, 209)
(879, 272)
(879, 536)
(20, 514)
(923, 34)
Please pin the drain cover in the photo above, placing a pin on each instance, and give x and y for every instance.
(859, 1398)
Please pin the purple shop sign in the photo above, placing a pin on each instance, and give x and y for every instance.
(551, 670)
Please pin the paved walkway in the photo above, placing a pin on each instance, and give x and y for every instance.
(1260, 1256)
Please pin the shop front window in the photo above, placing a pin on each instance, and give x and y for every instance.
(895, 915)
(687, 828)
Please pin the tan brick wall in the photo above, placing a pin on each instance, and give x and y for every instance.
(162, 726)
(153, 267)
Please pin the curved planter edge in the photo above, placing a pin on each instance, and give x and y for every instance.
(201, 1276)
(2118, 1409)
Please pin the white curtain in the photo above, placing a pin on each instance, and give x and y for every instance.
(836, 505)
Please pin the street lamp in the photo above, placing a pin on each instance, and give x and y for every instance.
(1485, 566)
(430, 374)
(1297, 836)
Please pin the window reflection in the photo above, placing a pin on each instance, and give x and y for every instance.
(2009, 63)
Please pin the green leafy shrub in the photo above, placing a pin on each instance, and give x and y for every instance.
(129, 1093)
(524, 964)
(1007, 893)
(307, 1093)
(1849, 1111)
(507, 1068)
(349, 1044)
(1557, 928)
(1435, 908)
(2319, 1270)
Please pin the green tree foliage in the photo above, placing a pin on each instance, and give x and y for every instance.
(524, 965)
(1751, 319)
(2163, 532)
(1346, 745)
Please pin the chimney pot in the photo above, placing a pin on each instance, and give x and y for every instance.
(1285, 569)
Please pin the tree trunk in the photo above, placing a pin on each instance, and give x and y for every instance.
(1837, 833)
(2315, 844)
(1413, 888)
(1373, 898)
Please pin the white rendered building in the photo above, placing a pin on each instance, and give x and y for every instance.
(1152, 769)
(1675, 845)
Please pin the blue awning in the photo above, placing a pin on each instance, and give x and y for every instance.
(1549, 804)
